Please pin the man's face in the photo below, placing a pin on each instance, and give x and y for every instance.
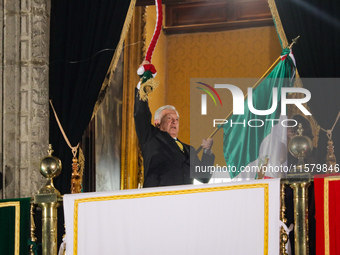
(169, 122)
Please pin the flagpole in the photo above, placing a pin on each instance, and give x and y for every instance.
(254, 87)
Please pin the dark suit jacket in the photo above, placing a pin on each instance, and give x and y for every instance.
(164, 163)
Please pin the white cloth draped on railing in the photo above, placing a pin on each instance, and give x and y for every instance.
(233, 218)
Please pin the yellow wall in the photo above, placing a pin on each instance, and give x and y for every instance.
(243, 53)
(238, 53)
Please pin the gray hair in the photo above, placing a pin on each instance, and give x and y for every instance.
(158, 113)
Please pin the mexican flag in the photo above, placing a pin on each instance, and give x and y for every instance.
(258, 143)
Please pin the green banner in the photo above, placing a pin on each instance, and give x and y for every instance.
(14, 226)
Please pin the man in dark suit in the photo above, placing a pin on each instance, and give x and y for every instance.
(165, 162)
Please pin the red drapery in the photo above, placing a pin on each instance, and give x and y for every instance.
(327, 214)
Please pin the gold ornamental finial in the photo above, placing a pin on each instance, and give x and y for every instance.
(50, 150)
(50, 167)
(330, 157)
(300, 130)
(300, 147)
(76, 178)
(48, 199)
(294, 41)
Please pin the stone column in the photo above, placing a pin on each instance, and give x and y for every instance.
(24, 109)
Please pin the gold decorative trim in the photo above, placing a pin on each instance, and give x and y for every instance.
(16, 204)
(295, 111)
(265, 186)
(140, 168)
(133, 56)
(326, 210)
(81, 161)
(314, 125)
(33, 238)
(278, 23)
(326, 215)
(115, 57)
